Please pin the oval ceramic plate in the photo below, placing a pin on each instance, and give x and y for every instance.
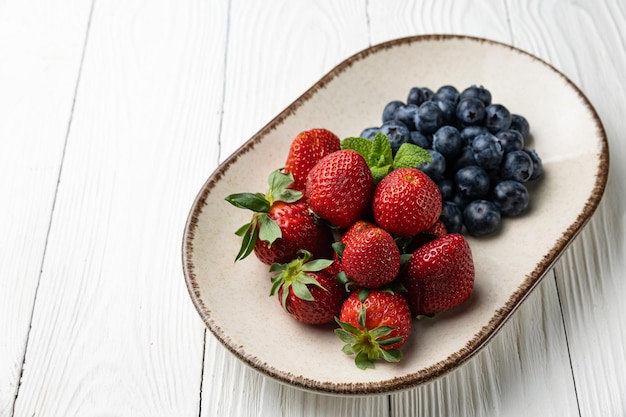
(232, 298)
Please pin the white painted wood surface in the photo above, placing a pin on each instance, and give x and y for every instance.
(112, 115)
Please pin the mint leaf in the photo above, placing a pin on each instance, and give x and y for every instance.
(378, 173)
(361, 145)
(410, 156)
(381, 150)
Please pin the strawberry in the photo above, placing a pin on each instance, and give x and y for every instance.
(373, 325)
(306, 291)
(306, 150)
(281, 224)
(406, 202)
(439, 275)
(339, 188)
(371, 258)
(433, 232)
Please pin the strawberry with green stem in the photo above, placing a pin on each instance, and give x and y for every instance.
(281, 223)
(374, 324)
(306, 290)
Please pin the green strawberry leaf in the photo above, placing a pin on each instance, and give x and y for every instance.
(317, 265)
(363, 361)
(393, 355)
(410, 156)
(269, 231)
(250, 201)
(249, 232)
(278, 188)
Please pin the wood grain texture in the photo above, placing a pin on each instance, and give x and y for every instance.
(41, 49)
(590, 274)
(113, 331)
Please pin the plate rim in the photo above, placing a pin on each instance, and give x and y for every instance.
(487, 332)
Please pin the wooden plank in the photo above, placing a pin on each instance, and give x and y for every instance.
(586, 41)
(41, 47)
(113, 330)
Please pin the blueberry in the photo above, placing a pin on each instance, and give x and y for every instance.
(517, 165)
(470, 111)
(447, 141)
(419, 95)
(537, 164)
(497, 117)
(447, 93)
(420, 139)
(429, 118)
(465, 158)
(390, 109)
(369, 133)
(479, 92)
(397, 132)
(447, 187)
(520, 124)
(436, 168)
(472, 182)
(468, 133)
(511, 140)
(481, 217)
(487, 151)
(448, 109)
(406, 114)
(511, 197)
(459, 200)
(451, 217)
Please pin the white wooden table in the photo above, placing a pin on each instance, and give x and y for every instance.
(112, 115)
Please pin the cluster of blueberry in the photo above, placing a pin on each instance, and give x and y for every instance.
(479, 158)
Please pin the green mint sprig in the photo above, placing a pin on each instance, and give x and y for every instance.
(379, 156)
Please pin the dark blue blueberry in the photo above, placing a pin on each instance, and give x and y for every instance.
(472, 182)
(447, 93)
(517, 165)
(459, 200)
(390, 109)
(511, 140)
(511, 197)
(429, 118)
(447, 141)
(451, 217)
(478, 92)
(421, 140)
(497, 118)
(419, 95)
(397, 132)
(481, 217)
(487, 151)
(465, 158)
(520, 124)
(470, 111)
(447, 187)
(406, 114)
(468, 133)
(448, 109)
(436, 168)
(369, 133)
(537, 164)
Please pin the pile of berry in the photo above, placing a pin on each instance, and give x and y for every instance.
(351, 232)
(479, 159)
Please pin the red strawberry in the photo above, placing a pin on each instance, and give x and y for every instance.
(281, 224)
(306, 291)
(371, 258)
(439, 275)
(406, 202)
(339, 188)
(433, 232)
(306, 150)
(373, 325)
